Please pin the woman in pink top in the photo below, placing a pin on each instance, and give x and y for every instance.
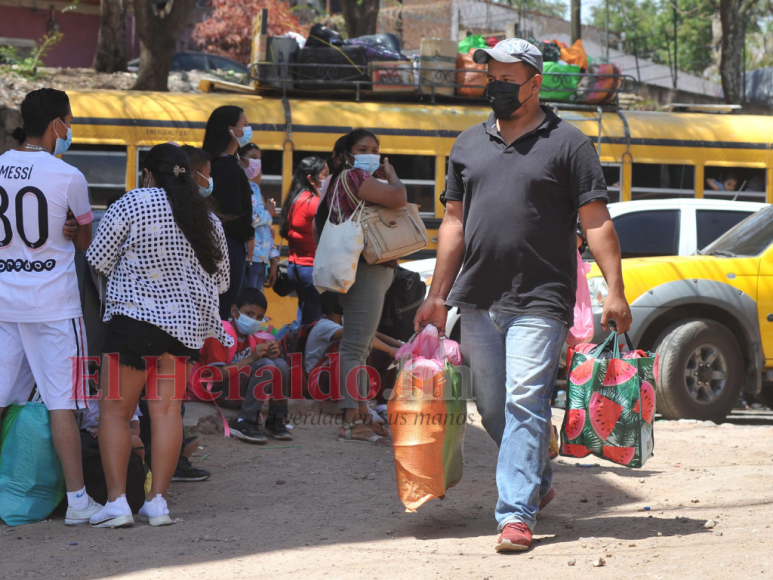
(298, 211)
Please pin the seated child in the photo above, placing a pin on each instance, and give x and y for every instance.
(89, 426)
(327, 330)
(246, 358)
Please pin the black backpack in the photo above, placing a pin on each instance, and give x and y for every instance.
(94, 474)
(403, 299)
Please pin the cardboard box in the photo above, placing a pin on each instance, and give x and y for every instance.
(394, 76)
(438, 54)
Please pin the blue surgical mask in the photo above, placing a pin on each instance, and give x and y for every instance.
(368, 163)
(246, 136)
(247, 325)
(62, 145)
(206, 191)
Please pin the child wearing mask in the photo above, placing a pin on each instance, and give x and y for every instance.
(249, 358)
(262, 255)
(325, 332)
(201, 163)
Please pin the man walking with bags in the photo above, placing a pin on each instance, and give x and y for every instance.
(516, 183)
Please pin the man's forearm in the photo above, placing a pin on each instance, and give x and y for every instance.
(450, 253)
(605, 247)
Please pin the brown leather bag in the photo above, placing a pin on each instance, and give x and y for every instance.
(390, 234)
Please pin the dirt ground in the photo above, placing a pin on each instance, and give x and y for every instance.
(320, 508)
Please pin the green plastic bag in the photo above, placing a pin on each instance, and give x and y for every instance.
(470, 42)
(31, 478)
(611, 404)
(558, 87)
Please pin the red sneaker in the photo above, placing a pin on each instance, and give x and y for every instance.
(543, 503)
(515, 537)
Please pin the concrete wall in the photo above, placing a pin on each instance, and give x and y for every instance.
(80, 33)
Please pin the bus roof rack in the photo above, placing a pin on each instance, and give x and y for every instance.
(701, 108)
(405, 81)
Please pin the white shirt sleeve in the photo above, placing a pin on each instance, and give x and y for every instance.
(327, 329)
(113, 230)
(78, 199)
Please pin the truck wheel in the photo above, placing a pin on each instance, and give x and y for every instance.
(701, 371)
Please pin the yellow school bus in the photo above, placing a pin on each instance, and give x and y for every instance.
(644, 154)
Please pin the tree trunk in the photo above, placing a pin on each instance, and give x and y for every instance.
(110, 56)
(716, 34)
(576, 21)
(361, 16)
(731, 64)
(159, 29)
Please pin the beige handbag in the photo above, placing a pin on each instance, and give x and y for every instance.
(389, 234)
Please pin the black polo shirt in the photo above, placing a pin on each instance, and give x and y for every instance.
(520, 205)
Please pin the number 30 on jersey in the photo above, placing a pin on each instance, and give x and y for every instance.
(42, 204)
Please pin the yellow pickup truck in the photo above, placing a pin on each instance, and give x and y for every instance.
(708, 316)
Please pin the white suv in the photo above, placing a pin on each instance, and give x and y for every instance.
(659, 227)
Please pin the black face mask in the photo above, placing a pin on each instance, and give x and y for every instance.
(503, 98)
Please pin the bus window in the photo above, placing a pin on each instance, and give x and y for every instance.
(662, 181)
(613, 176)
(104, 169)
(271, 167)
(299, 156)
(734, 183)
(417, 172)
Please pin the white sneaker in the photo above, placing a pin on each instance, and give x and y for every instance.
(80, 517)
(155, 512)
(115, 514)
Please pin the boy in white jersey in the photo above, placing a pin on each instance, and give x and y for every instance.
(41, 330)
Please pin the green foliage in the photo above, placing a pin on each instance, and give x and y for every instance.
(649, 30)
(27, 66)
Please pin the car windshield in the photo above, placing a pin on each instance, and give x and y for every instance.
(749, 238)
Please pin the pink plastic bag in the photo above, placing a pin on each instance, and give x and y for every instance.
(582, 331)
(423, 355)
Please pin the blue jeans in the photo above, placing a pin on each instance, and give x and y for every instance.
(309, 309)
(237, 257)
(514, 361)
(256, 276)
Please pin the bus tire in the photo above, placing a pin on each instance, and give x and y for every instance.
(701, 371)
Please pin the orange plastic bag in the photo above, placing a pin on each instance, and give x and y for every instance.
(427, 417)
(473, 83)
(574, 54)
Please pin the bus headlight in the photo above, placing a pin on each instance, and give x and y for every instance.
(598, 291)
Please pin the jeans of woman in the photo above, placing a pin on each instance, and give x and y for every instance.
(237, 256)
(362, 305)
(309, 309)
(256, 276)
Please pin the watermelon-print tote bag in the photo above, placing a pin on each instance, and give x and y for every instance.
(611, 404)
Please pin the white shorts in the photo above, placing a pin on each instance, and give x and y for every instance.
(43, 354)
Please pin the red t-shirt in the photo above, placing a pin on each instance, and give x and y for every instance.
(300, 239)
(215, 353)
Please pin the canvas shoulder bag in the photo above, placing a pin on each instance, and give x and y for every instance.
(389, 234)
(338, 253)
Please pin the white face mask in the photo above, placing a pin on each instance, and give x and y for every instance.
(367, 162)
